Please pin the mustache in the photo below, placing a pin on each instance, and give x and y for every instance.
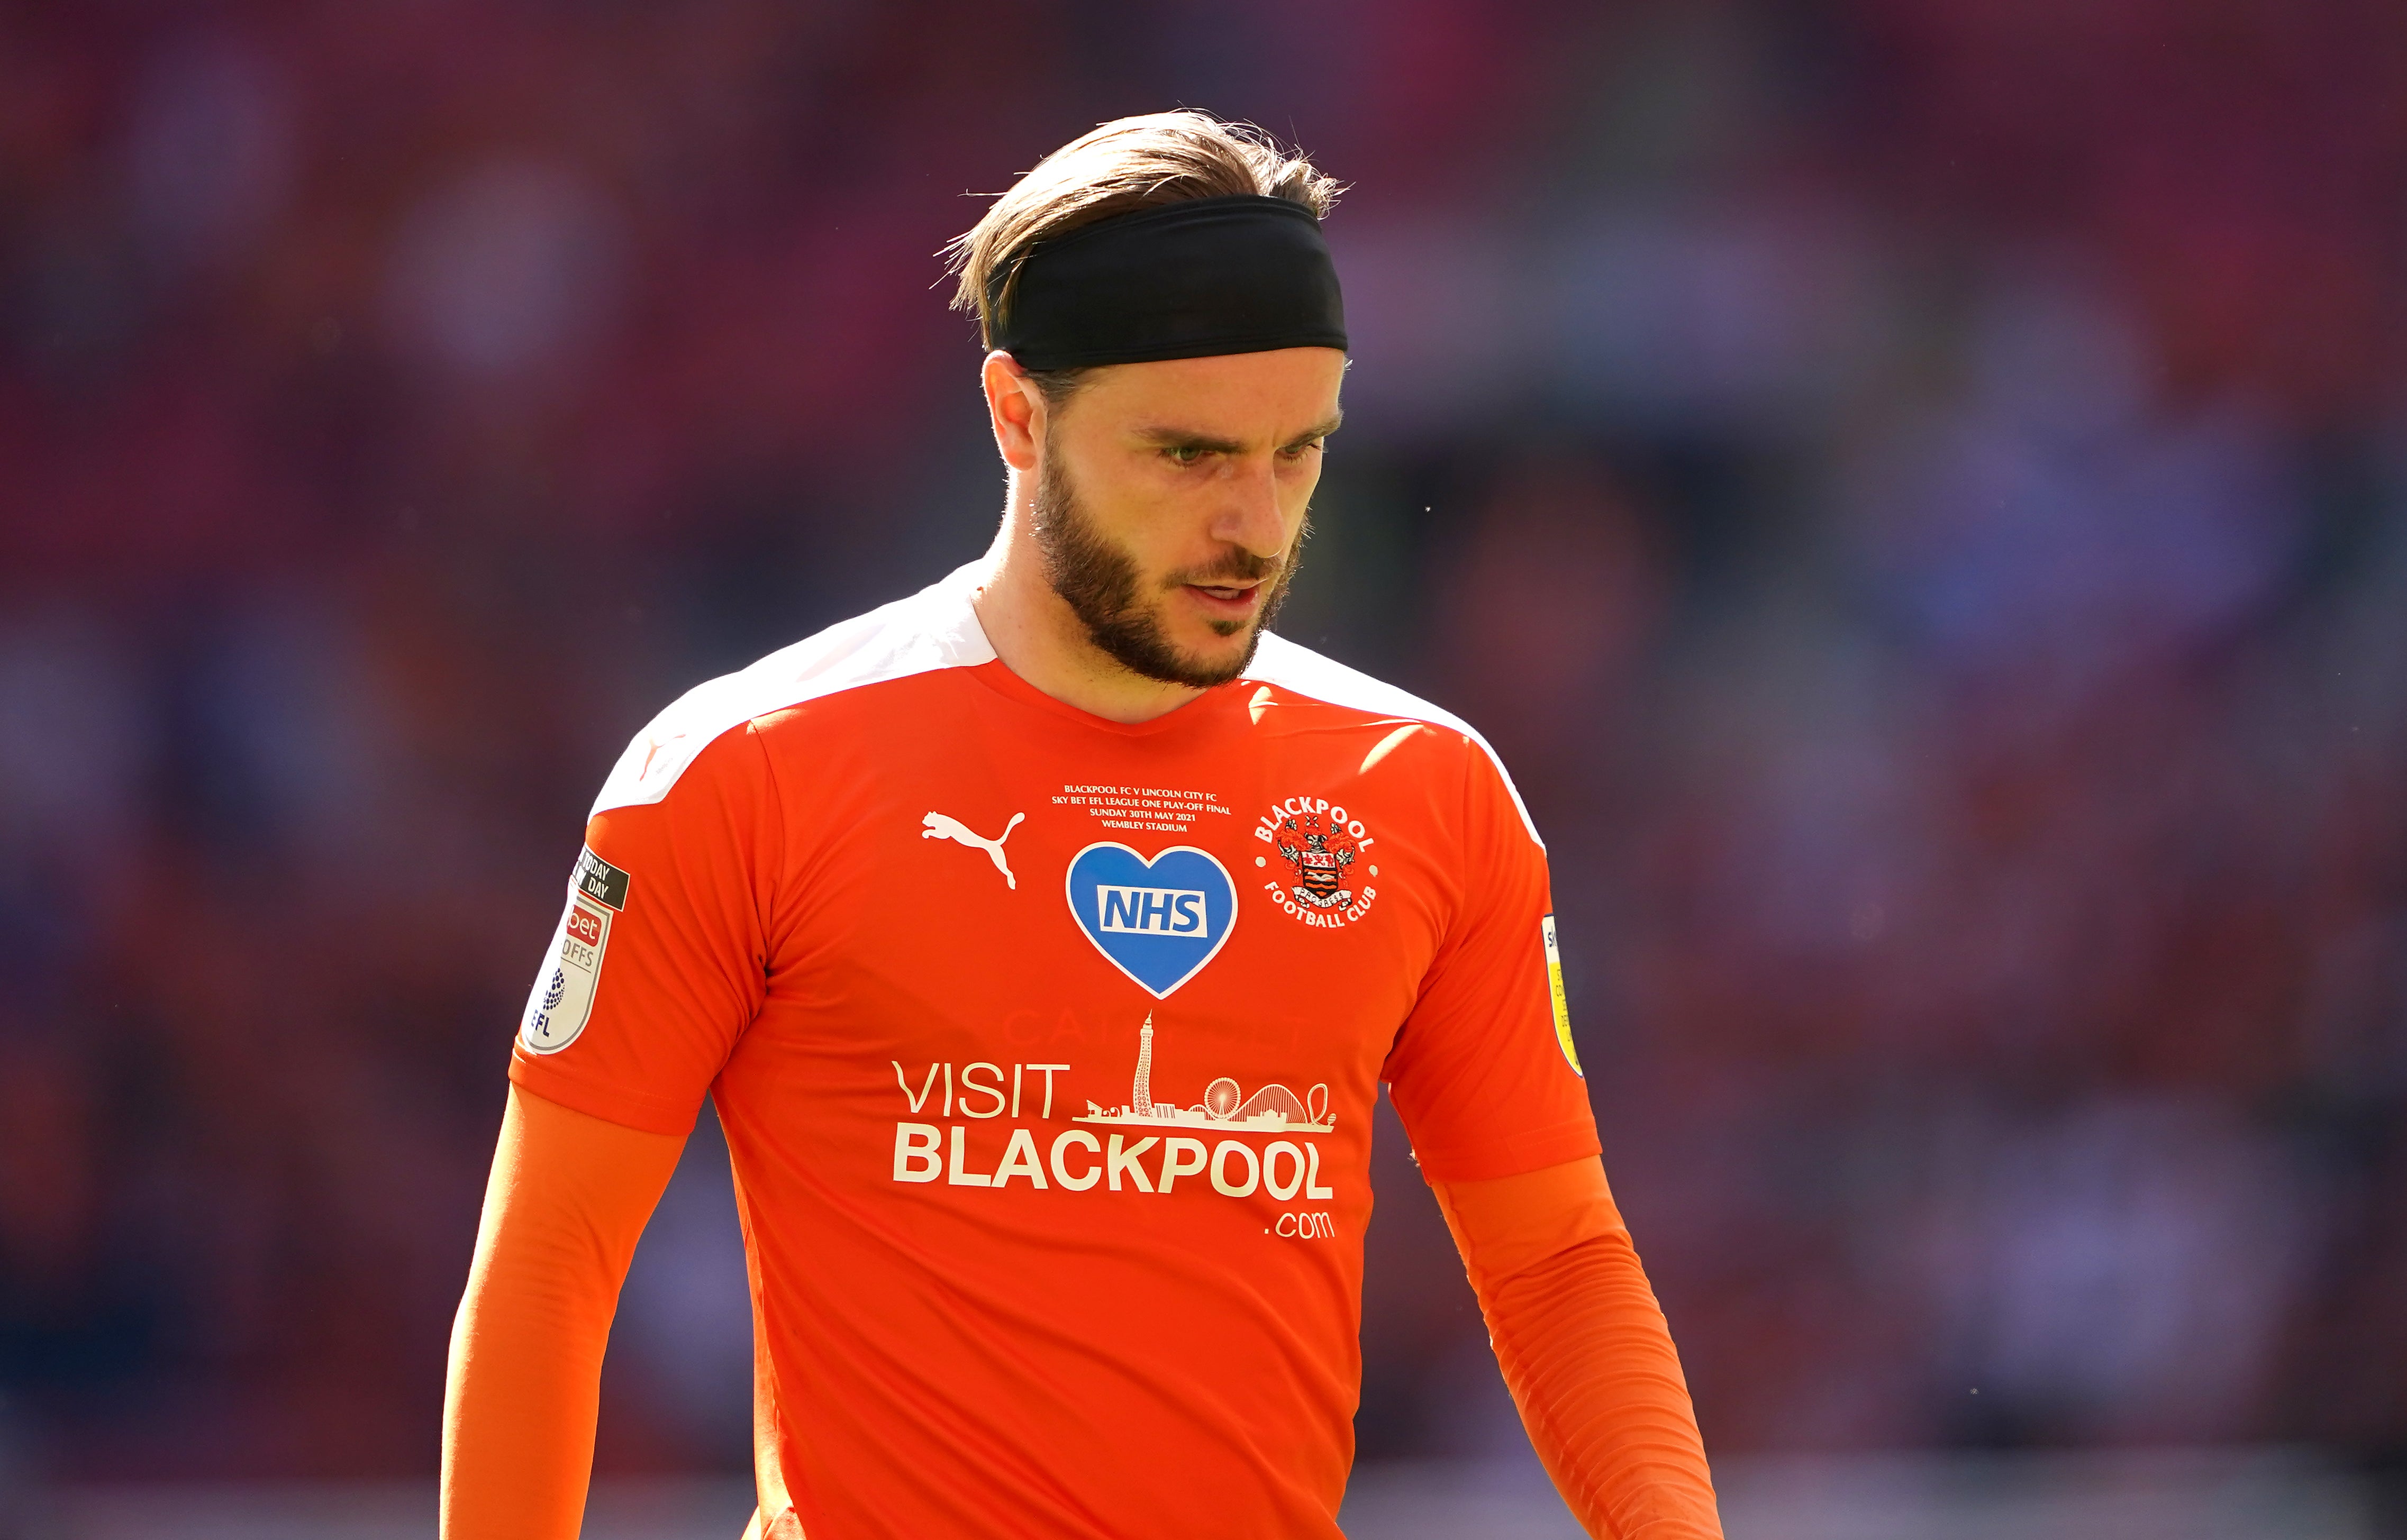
(1238, 565)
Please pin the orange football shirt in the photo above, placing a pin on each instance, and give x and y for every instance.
(1047, 1049)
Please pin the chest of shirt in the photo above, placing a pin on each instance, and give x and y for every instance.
(1071, 921)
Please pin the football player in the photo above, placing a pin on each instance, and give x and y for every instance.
(1044, 940)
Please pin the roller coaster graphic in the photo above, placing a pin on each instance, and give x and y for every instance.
(1272, 1109)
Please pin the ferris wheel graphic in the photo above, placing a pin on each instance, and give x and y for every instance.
(1271, 1109)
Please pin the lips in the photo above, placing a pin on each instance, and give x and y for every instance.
(1226, 598)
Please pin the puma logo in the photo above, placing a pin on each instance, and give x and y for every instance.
(941, 827)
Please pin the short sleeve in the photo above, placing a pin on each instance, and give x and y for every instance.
(1484, 1074)
(658, 962)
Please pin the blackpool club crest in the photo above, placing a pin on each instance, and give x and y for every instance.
(1325, 880)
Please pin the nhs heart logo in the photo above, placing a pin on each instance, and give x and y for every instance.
(1158, 921)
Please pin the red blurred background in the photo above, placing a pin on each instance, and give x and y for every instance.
(1913, 487)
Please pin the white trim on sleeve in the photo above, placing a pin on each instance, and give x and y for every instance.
(1281, 662)
(934, 628)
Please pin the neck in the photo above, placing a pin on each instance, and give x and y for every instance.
(1040, 638)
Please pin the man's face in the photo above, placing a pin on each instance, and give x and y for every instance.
(1170, 503)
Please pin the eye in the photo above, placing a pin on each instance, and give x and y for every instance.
(1297, 452)
(1186, 454)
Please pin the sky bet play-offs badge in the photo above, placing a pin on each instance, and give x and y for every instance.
(1158, 921)
(563, 989)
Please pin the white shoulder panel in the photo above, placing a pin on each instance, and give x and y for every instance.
(1282, 663)
(934, 628)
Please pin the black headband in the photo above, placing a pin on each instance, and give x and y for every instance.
(1235, 275)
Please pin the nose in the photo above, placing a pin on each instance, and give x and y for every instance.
(1249, 515)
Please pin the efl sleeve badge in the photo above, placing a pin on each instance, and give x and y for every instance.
(562, 997)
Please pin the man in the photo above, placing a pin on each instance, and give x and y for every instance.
(1044, 939)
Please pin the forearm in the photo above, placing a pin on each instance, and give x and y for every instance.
(1587, 1355)
(519, 1414)
(567, 1200)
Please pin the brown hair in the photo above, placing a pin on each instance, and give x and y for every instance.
(1119, 168)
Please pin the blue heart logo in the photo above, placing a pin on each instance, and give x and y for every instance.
(1158, 921)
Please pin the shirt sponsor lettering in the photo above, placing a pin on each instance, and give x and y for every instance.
(1167, 1149)
(1151, 911)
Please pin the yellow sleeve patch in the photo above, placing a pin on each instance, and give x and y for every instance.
(1562, 1004)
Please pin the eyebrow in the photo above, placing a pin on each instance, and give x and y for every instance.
(1318, 429)
(1185, 440)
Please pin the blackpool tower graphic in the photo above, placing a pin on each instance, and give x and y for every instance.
(1273, 1108)
(1141, 1094)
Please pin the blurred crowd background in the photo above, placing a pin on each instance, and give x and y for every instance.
(1914, 488)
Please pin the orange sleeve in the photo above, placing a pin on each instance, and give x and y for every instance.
(1482, 1073)
(1585, 1351)
(568, 1197)
(660, 961)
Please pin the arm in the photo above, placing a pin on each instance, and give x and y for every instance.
(1585, 1351)
(568, 1197)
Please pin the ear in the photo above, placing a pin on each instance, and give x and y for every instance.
(1015, 409)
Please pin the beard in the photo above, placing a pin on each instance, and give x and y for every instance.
(1100, 584)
